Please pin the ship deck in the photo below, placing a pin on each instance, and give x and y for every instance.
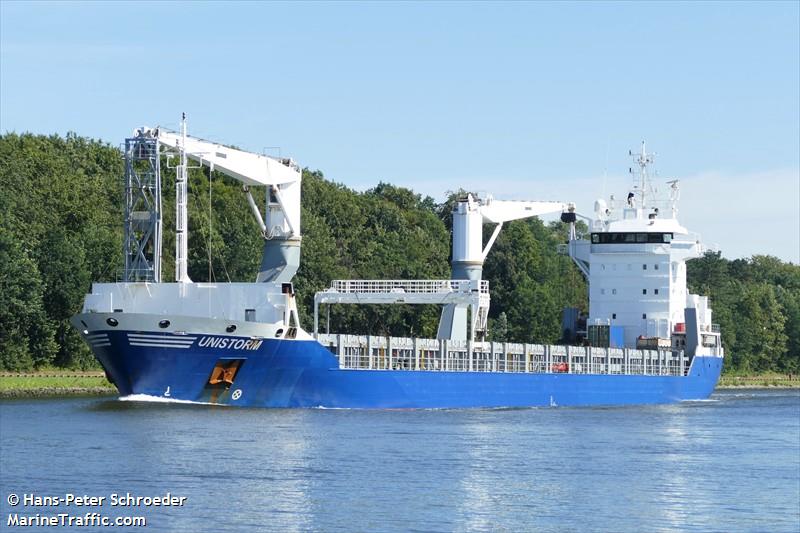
(364, 352)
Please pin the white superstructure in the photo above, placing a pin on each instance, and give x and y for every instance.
(635, 262)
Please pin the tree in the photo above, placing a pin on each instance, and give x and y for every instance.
(66, 281)
(26, 334)
(498, 328)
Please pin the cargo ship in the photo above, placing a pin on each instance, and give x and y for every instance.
(645, 339)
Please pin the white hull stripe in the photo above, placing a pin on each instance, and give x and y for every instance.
(162, 341)
(156, 337)
(157, 345)
(101, 344)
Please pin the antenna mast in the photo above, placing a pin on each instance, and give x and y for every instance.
(643, 159)
(181, 214)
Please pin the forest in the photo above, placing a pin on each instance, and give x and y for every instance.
(61, 204)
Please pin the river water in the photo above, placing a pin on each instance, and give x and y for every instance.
(728, 464)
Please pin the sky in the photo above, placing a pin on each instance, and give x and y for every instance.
(529, 101)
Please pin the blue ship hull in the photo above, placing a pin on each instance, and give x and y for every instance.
(295, 373)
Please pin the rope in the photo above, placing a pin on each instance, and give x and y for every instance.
(208, 241)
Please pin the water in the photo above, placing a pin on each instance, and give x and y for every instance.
(728, 464)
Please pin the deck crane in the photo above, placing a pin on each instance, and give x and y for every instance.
(469, 253)
(281, 225)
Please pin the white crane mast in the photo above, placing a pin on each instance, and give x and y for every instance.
(469, 253)
(181, 212)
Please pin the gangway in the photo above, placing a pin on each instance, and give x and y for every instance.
(466, 292)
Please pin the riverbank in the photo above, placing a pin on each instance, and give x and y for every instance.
(760, 381)
(54, 382)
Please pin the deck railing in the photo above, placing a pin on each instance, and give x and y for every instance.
(361, 352)
(431, 286)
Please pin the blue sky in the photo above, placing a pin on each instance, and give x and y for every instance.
(523, 100)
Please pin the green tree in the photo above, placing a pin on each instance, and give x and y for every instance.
(498, 328)
(26, 334)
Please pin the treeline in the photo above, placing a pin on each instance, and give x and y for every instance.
(756, 302)
(61, 229)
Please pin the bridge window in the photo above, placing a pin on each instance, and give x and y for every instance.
(249, 315)
(644, 291)
(655, 291)
(631, 238)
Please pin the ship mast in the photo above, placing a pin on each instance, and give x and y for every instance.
(643, 159)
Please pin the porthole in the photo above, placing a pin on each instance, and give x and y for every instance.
(112, 322)
(279, 333)
(163, 324)
(231, 328)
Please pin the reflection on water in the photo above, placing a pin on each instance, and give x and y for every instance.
(476, 506)
(727, 465)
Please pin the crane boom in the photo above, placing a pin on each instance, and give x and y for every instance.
(499, 211)
(247, 167)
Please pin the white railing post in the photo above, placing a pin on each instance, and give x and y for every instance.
(416, 353)
(469, 355)
(589, 360)
(527, 349)
(389, 352)
(370, 358)
(569, 358)
(339, 351)
(316, 319)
